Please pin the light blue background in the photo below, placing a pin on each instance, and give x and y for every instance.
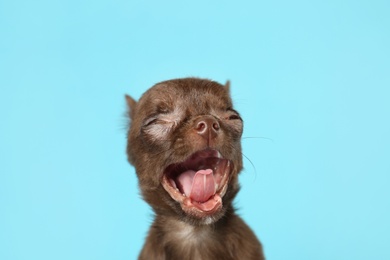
(310, 78)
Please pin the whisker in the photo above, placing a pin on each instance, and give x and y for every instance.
(246, 157)
(259, 137)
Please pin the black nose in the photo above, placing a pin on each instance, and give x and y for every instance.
(207, 127)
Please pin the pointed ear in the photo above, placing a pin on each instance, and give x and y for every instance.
(131, 104)
(227, 86)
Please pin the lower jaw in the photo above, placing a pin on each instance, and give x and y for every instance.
(202, 210)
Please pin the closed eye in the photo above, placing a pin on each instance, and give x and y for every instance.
(234, 117)
(233, 114)
(149, 121)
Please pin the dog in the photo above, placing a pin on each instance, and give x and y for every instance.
(184, 142)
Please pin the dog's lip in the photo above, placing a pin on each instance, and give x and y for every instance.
(208, 158)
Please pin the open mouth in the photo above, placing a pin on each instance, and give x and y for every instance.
(198, 183)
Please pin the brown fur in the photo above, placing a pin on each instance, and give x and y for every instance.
(172, 121)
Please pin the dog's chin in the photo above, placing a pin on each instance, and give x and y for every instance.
(199, 184)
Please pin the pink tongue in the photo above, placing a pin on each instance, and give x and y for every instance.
(199, 186)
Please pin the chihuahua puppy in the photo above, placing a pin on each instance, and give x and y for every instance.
(184, 142)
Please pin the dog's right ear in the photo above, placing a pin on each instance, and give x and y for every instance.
(131, 104)
(227, 86)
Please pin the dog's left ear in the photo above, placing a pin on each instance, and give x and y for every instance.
(227, 86)
(131, 104)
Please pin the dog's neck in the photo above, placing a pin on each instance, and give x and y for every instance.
(179, 231)
(188, 238)
(229, 238)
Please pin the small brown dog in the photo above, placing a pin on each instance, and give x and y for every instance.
(184, 142)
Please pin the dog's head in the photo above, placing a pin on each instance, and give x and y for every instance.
(184, 142)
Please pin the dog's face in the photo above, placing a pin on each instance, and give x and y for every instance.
(184, 141)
